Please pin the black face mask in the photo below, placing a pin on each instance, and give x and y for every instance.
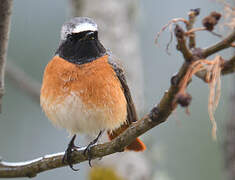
(81, 48)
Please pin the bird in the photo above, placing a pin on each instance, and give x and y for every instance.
(84, 89)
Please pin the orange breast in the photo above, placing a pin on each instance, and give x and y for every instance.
(83, 98)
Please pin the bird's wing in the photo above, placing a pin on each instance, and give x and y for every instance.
(131, 111)
(137, 144)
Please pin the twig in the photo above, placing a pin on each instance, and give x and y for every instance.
(170, 41)
(169, 24)
(225, 43)
(218, 35)
(5, 13)
(192, 31)
(229, 65)
(193, 13)
(181, 46)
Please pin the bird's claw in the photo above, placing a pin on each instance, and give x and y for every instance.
(87, 152)
(90, 145)
(67, 158)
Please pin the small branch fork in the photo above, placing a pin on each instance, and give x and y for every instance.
(195, 61)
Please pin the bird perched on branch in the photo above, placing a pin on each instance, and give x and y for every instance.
(84, 89)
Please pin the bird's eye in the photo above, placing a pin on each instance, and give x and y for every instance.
(82, 36)
(69, 37)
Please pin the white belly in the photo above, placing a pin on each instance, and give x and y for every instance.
(73, 115)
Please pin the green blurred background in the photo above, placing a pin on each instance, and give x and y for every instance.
(179, 149)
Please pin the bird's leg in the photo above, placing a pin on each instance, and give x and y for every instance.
(67, 156)
(92, 143)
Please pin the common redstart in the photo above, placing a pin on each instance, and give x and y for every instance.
(84, 88)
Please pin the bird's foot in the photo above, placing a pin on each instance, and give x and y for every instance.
(87, 152)
(68, 154)
(90, 145)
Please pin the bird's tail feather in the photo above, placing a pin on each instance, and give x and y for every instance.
(137, 145)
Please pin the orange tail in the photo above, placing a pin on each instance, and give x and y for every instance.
(136, 145)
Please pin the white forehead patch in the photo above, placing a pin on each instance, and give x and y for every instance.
(85, 27)
(77, 25)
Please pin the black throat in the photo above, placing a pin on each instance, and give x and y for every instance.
(78, 51)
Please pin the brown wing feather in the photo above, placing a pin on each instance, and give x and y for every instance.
(137, 144)
(131, 111)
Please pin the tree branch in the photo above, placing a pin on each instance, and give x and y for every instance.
(229, 66)
(225, 43)
(5, 13)
(181, 46)
(193, 13)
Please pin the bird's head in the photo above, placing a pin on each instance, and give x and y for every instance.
(79, 41)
